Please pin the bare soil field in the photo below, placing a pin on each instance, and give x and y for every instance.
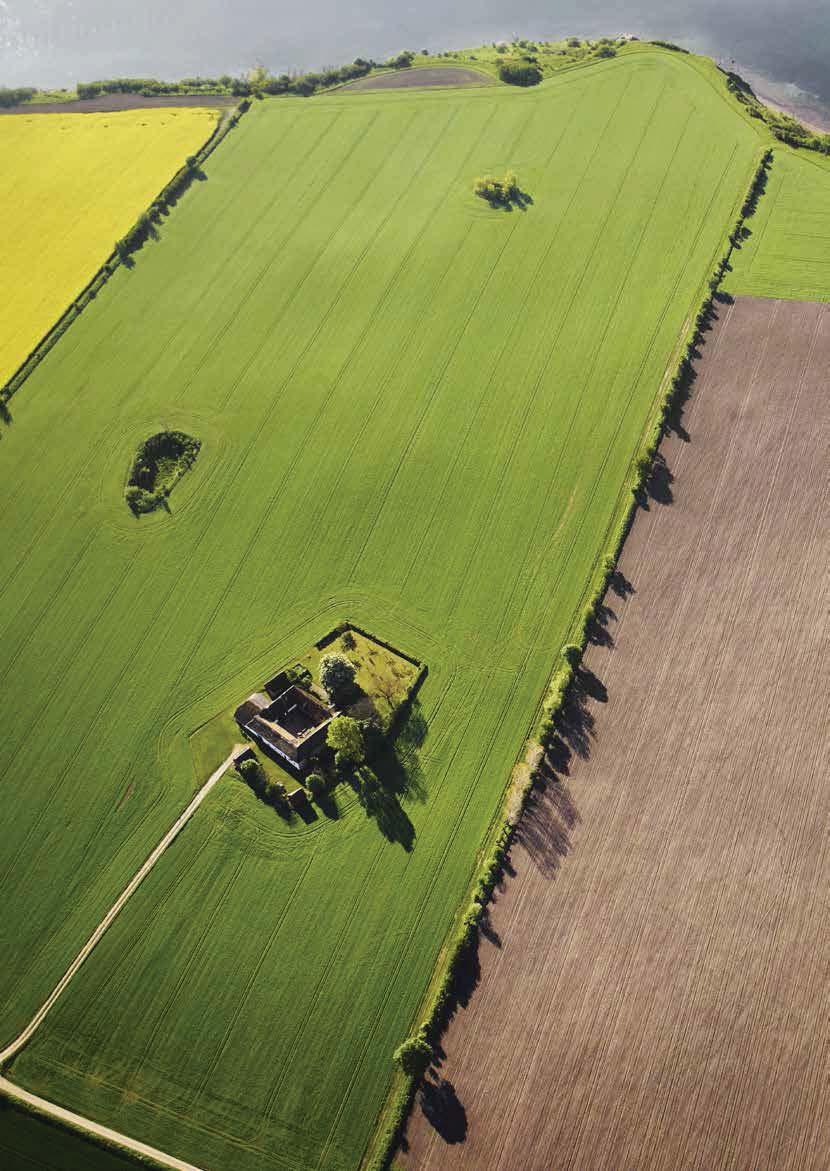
(111, 103)
(652, 991)
(428, 77)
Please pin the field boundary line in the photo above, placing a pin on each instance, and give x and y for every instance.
(14, 1047)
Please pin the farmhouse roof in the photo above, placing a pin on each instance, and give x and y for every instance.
(252, 706)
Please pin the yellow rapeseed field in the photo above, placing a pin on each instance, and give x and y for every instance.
(70, 185)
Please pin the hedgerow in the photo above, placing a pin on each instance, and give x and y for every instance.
(14, 97)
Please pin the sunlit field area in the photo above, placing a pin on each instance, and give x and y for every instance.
(417, 411)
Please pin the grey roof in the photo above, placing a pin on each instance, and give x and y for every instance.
(252, 706)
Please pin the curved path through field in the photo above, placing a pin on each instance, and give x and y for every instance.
(13, 1048)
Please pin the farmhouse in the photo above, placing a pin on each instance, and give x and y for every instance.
(291, 723)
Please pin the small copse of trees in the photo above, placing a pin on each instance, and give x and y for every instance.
(497, 190)
(522, 73)
(158, 464)
(505, 192)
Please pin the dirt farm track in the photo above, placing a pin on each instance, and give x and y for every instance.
(654, 989)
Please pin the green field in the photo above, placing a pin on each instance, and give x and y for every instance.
(417, 413)
(788, 253)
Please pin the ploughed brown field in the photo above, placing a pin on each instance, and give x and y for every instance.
(429, 76)
(111, 103)
(655, 989)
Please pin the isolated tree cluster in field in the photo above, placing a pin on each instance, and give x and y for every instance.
(501, 192)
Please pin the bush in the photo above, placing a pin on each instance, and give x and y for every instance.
(402, 60)
(139, 499)
(414, 1056)
(252, 773)
(520, 73)
(572, 653)
(337, 676)
(345, 739)
(316, 784)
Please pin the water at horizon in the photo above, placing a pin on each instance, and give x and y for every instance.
(781, 47)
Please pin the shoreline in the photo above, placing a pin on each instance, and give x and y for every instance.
(811, 114)
(794, 110)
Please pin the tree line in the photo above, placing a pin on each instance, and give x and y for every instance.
(14, 97)
(257, 82)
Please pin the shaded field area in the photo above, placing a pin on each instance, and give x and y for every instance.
(28, 1143)
(425, 78)
(111, 103)
(417, 413)
(651, 990)
(69, 188)
(788, 252)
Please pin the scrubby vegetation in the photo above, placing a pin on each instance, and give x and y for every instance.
(159, 463)
(785, 128)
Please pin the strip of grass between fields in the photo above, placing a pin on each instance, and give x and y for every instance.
(440, 1000)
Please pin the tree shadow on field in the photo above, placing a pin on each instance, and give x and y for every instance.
(394, 774)
(658, 486)
(551, 814)
(620, 585)
(443, 1110)
(599, 633)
